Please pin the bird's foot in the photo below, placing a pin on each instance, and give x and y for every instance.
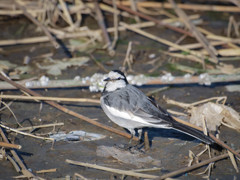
(131, 148)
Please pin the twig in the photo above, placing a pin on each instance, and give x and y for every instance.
(234, 163)
(147, 169)
(115, 22)
(236, 2)
(190, 105)
(45, 30)
(39, 126)
(195, 166)
(128, 58)
(66, 13)
(198, 45)
(91, 121)
(118, 171)
(15, 165)
(6, 105)
(80, 177)
(134, 8)
(149, 18)
(98, 63)
(16, 97)
(24, 133)
(46, 171)
(208, 47)
(9, 145)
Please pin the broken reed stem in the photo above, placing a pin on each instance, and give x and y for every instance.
(195, 166)
(24, 170)
(45, 30)
(60, 99)
(118, 171)
(24, 133)
(46, 171)
(9, 145)
(147, 169)
(39, 126)
(14, 163)
(61, 108)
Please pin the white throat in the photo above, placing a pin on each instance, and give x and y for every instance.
(114, 85)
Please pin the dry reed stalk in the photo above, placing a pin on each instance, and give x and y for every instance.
(46, 171)
(9, 145)
(192, 7)
(112, 170)
(116, 26)
(199, 45)
(60, 99)
(66, 13)
(25, 134)
(101, 23)
(14, 163)
(134, 8)
(147, 169)
(40, 126)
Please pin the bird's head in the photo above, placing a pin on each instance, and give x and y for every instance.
(115, 80)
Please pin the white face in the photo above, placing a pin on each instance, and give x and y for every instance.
(115, 75)
(116, 81)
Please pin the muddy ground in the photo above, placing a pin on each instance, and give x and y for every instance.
(169, 147)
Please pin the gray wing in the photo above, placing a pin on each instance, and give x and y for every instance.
(131, 98)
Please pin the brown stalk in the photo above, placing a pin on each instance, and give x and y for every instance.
(9, 145)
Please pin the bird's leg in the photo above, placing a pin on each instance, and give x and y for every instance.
(139, 134)
(132, 131)
(146, 141)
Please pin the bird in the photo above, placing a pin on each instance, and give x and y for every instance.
(130, 108)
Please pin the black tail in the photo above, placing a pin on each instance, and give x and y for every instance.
(193, 132)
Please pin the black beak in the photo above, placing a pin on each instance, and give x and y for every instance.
(107, 79)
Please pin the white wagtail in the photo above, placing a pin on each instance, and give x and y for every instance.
(130, 108)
